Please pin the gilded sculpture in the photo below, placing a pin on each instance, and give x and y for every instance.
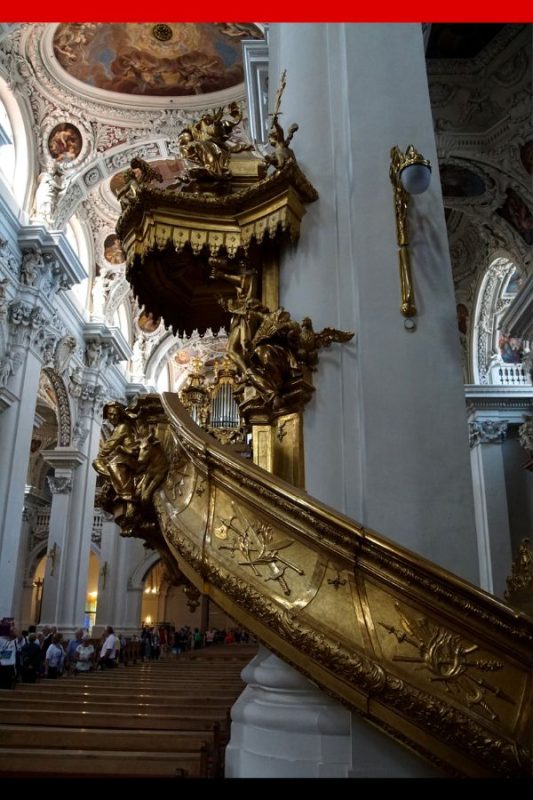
(281, 154)
(133, 464)
(519, 590)
(117, 456)
(206, 147)
(139, 173)
(318, 589)
(272, 352)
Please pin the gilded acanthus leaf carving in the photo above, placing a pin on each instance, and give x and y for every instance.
(448, 658)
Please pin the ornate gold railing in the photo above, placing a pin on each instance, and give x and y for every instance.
(436, 663)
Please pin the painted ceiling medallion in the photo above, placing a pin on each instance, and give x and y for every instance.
(162, 32)
(65, 142)
(176, 59)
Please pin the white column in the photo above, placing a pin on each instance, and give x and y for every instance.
(109, 584)
(388, 415)
(376, 755)
(61, 537)
(26, 615)
(74, 593)
(48, 266)
(16, 427)
(128, 600)
(76, 523)
(284, 727)
(490, 503)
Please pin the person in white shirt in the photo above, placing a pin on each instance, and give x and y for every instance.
(8, 653)
(109, 649)
(55, 657)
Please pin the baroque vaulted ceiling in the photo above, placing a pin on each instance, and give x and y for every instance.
(480, 89)
(166, 59)
(99, 95)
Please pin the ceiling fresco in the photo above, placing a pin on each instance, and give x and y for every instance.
(165, 59)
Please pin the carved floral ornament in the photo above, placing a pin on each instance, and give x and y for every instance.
(487, 431)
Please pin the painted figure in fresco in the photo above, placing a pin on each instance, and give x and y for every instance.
(147, 323)
(511, 349)
(65, 143)
(197, 58)
(113, 251)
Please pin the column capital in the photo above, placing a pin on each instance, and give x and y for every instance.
(60, 485)
(104, 345)
(62, 266)
(487, 431)
(7, 399)
(64, 458)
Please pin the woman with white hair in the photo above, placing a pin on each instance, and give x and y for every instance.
(84, 654)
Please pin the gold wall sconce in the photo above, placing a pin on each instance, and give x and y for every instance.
(410, 173)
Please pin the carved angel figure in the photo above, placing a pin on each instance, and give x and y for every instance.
(282, 152)
(270, 349)
(139, 172)
(49, 189)
(9, 366)
(311, 342)
(31, 268)
(93, 351)
(64, 352)
(205, 143)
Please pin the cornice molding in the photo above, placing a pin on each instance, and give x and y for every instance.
(64, 458)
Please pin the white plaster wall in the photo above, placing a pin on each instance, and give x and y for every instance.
(388, 416)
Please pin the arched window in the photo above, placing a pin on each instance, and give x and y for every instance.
(7, 148)
(497, 356)
(15, 155)
(80, 242)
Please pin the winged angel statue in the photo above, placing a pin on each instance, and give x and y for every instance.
(270, 349)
